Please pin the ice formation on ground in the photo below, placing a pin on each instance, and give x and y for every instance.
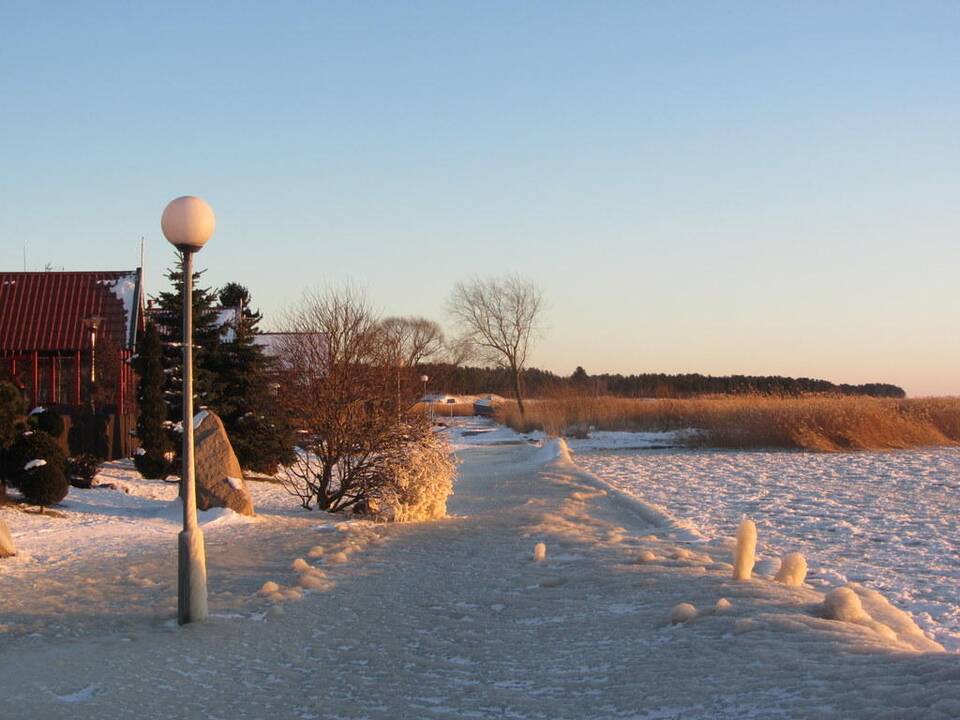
(793, 569)
(682, 613)
(745, 552)
(883, 519)
(539, 552)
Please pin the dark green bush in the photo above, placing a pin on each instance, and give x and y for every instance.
(82, 469)
(50, 422)
(33, 446)
(152, 464)
(44, 484)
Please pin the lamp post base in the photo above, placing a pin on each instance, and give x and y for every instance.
(192, 577)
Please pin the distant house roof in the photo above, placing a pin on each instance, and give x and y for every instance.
(227, 319)
(46, 311)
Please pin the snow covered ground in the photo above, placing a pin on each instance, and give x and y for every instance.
(105, 550)
(884, 519)
(317, 617)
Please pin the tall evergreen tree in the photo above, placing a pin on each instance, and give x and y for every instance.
(206, 341)
(12, 406)
(259, 431)
(155, 441)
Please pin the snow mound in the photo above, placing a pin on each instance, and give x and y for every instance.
(314, 581)
(684, 612)
(553, 451)
(844, 604)
(793, 570)
(900, 623)
(723, 605)
(269, 587)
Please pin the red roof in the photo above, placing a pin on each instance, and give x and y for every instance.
(46, 311)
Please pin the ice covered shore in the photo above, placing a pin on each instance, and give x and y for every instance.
(457, 618)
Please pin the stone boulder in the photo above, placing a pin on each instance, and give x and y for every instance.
(7, 548)
(219, 478)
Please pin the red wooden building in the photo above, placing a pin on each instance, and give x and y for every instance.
(67, 337)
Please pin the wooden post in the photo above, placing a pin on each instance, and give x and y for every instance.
(36, 377)
(121, 400)
(76, 378)
(54, 380)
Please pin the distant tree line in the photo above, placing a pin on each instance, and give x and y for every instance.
(538, 383)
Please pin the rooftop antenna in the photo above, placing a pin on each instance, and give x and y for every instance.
(24, 255)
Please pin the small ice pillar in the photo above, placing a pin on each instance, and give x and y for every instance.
(745, 554)
(539, 552)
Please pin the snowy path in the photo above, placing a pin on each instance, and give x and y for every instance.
(454, 619)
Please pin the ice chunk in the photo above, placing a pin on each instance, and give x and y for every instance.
(269, 587)
(844, 604)
(793, 570)
(684, 612)
(745, 553)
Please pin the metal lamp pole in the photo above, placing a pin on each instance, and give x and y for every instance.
(188, 222)
(425, 379)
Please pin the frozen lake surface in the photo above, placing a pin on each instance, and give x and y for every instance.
(886, 519)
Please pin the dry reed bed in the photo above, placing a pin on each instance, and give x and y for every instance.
(822, 423)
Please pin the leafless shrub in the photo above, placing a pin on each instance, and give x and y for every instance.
(356, 422)
(420, 481)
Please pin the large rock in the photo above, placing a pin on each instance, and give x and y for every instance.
(219, 478)
(7, 548)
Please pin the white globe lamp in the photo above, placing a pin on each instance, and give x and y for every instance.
(188, 222)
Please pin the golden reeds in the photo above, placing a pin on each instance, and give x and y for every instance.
(823, 423)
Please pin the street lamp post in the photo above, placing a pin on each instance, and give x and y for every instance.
(425, 379)
(188, 222)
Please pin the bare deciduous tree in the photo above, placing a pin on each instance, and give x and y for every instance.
(498, 317)
(355, 429)
(412, 340)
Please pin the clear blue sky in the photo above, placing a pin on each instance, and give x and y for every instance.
(716, 187)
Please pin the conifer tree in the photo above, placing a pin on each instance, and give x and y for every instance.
(12, 407)
(151, 459)
(206, 341)
(245, 398)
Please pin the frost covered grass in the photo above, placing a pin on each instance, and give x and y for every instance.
(822, 423)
